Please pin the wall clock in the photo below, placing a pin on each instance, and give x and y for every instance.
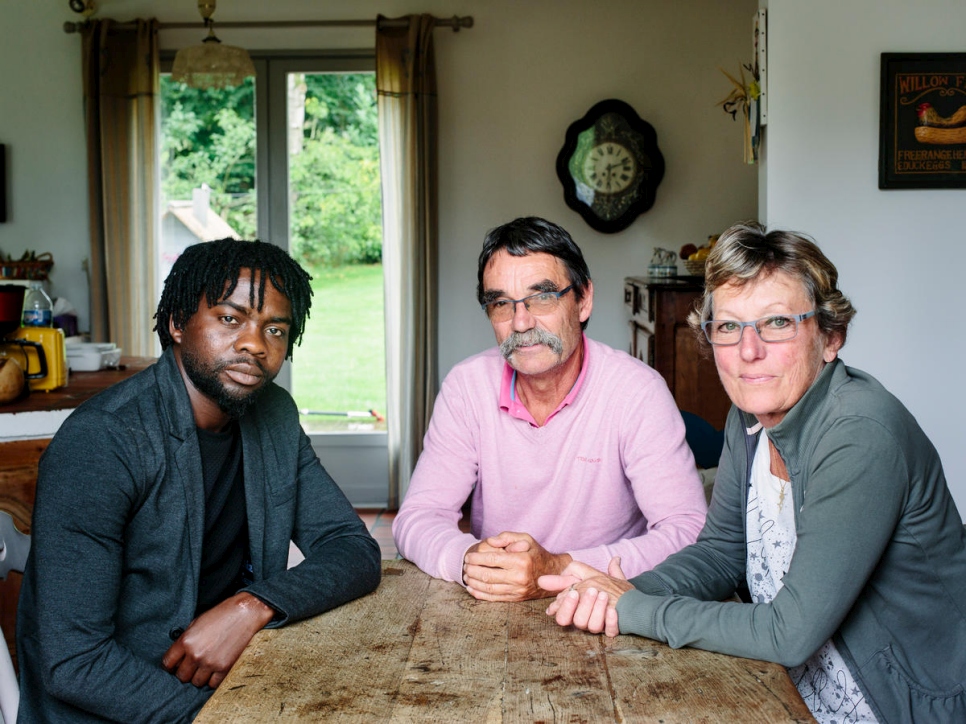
(610, 166)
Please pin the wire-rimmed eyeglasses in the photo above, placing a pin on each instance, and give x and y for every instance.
(776, 328)
(503, 309)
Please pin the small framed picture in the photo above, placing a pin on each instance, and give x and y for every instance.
(3, 183)
(922, 121)
(760, 60)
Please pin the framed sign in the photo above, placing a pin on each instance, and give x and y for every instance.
(922, 121)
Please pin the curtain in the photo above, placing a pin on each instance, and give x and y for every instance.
(120, 67)
(406, 85)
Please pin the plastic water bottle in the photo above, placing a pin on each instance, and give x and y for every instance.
(38, 310)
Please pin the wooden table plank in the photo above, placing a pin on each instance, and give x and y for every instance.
(422, 650)
(456, 662)
(654, 683)
(345, 663)
(553, 674)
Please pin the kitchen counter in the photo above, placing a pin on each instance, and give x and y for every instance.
(40, 414)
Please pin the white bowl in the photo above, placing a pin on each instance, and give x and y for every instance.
(90, 357)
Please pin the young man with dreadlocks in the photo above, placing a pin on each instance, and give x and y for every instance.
(165, 507)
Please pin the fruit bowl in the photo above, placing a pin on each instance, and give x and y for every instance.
(695, 267)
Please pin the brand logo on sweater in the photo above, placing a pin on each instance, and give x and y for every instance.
(582, 459)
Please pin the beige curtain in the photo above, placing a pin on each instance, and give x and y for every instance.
(120, 67)
(406, 83)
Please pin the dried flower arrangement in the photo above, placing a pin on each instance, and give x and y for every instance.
(743, 99)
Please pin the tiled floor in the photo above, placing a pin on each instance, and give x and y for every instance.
(379, 523)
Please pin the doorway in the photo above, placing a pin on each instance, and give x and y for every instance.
(291, 157)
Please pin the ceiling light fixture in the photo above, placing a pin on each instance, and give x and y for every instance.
(211, 64)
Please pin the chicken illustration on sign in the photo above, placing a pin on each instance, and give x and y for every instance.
(934, 128)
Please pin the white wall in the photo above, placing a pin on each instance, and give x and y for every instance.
(509, 87)
(900, 253)
(42, 125)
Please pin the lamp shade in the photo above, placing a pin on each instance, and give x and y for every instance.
(212, 65)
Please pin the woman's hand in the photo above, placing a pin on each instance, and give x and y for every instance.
(587, 598)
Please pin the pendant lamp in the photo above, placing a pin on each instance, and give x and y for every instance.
(211, 64)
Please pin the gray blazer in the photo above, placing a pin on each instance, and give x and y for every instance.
(112, 577)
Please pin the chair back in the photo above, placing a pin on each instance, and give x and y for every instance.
(14, 547)
(705, 441)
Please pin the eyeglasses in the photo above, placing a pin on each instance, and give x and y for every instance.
(502, 310)
(779, 328)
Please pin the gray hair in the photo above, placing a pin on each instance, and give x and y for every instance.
(746, 252)
(533, 235)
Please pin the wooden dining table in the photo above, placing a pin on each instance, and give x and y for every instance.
(423, 650)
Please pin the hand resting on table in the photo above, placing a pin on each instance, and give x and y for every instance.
(506, 567)
(209, 647)
(587, 598)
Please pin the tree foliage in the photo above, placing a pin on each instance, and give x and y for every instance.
(334, 189)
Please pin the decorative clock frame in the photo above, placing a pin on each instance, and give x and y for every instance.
(610, 166)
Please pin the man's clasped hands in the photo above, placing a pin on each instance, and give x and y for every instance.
(510, 566)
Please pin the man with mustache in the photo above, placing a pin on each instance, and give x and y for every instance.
(166, 505)
(565, 448)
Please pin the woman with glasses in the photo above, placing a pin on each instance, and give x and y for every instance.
(830, 511)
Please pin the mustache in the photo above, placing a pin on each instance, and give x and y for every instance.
(253, 361)
(528, 338)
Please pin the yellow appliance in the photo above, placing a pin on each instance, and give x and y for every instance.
(42, 354)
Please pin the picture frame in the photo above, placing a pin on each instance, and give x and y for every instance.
(922, 121)
(760, 53)
(3, 183)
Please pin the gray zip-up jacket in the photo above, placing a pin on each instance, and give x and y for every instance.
(112, 577)
(879, 565)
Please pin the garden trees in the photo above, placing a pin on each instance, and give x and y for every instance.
(335, 207)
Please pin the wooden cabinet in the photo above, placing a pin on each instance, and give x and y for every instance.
(661, 337)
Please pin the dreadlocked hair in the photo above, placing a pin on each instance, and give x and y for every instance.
(207, 267)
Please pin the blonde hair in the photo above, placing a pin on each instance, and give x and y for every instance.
(746, 252)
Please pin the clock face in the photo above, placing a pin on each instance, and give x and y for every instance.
(609, 168)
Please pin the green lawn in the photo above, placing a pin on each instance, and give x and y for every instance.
(341, 363)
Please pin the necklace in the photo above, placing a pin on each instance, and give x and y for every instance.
(778, 469)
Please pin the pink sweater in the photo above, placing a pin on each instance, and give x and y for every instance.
(608, 475)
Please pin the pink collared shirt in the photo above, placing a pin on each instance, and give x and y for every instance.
(609, 474)
(508, 393)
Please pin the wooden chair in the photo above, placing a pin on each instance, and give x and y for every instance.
(14, 547)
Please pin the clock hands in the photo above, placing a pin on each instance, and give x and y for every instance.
(606, 178)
